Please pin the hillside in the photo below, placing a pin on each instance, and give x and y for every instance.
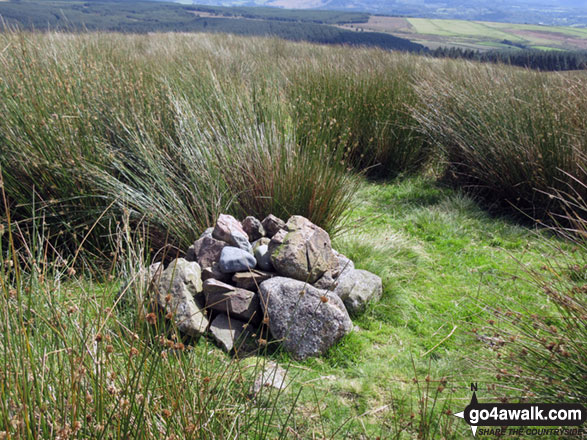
(461, 185)
(560, 13)
(477, 35)
(146, 16)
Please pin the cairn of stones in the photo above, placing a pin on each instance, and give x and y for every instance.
(239, 278)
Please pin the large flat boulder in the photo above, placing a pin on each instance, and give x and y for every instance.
(307, 320)
(302, 250)
(178, 286)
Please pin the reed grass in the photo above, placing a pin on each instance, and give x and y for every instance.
(79, 360)
(511, 136)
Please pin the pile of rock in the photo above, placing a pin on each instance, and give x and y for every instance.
(239, 276)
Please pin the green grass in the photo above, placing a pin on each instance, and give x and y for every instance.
(135, 141)
(477, 34)
(441, 259)
(459, 28)
(515, 144)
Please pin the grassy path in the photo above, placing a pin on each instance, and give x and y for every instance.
(440, 258)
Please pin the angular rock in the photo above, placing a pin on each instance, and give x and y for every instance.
(178, 284)
(191, 252)
(228, 332)
(237, 303)
(233, 259)
(155, 271)
(272, 375)
(215, 273)
(330, 279)
(251, 280)
(366, 287)
(308, 320)
(260, 242)
(263, 257)
(230, 230)
(206, 250)
(302, 250)
(207, 233)
(253, 228)
(272, 225)
(212, 286)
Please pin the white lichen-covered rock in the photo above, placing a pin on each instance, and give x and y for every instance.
(271, 375)
(302, 250)
(229, 333)
(307, 320)
(358, 288)
(178, 286)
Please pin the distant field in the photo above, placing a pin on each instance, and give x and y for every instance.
(477, 34)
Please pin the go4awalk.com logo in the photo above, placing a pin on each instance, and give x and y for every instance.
(523, 419)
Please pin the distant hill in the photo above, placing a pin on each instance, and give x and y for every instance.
(150, 16)
(549, 12)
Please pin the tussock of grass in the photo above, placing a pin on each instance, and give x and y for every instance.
(514, 137)
(362, 112)
(79, 362)
(155, 135)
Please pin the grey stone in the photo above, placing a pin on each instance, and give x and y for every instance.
(272, 225)
(207, 250)
(366, 287)
(302, 250)
(307, 320)
(272, 375)
(190, 254)
(263, 257)
(234, 301)
(177, 287)
(253, 228)
(207, 233)
(260, 242)
(228, 332)
(330, 280)
(242, 242)
(215, 273)
(230, 230)
(233, 259)
(213, 286)
(251, 280)
(155, 271)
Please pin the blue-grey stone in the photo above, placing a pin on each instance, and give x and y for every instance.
(263, 257)
(241, 241)
(233, 259)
